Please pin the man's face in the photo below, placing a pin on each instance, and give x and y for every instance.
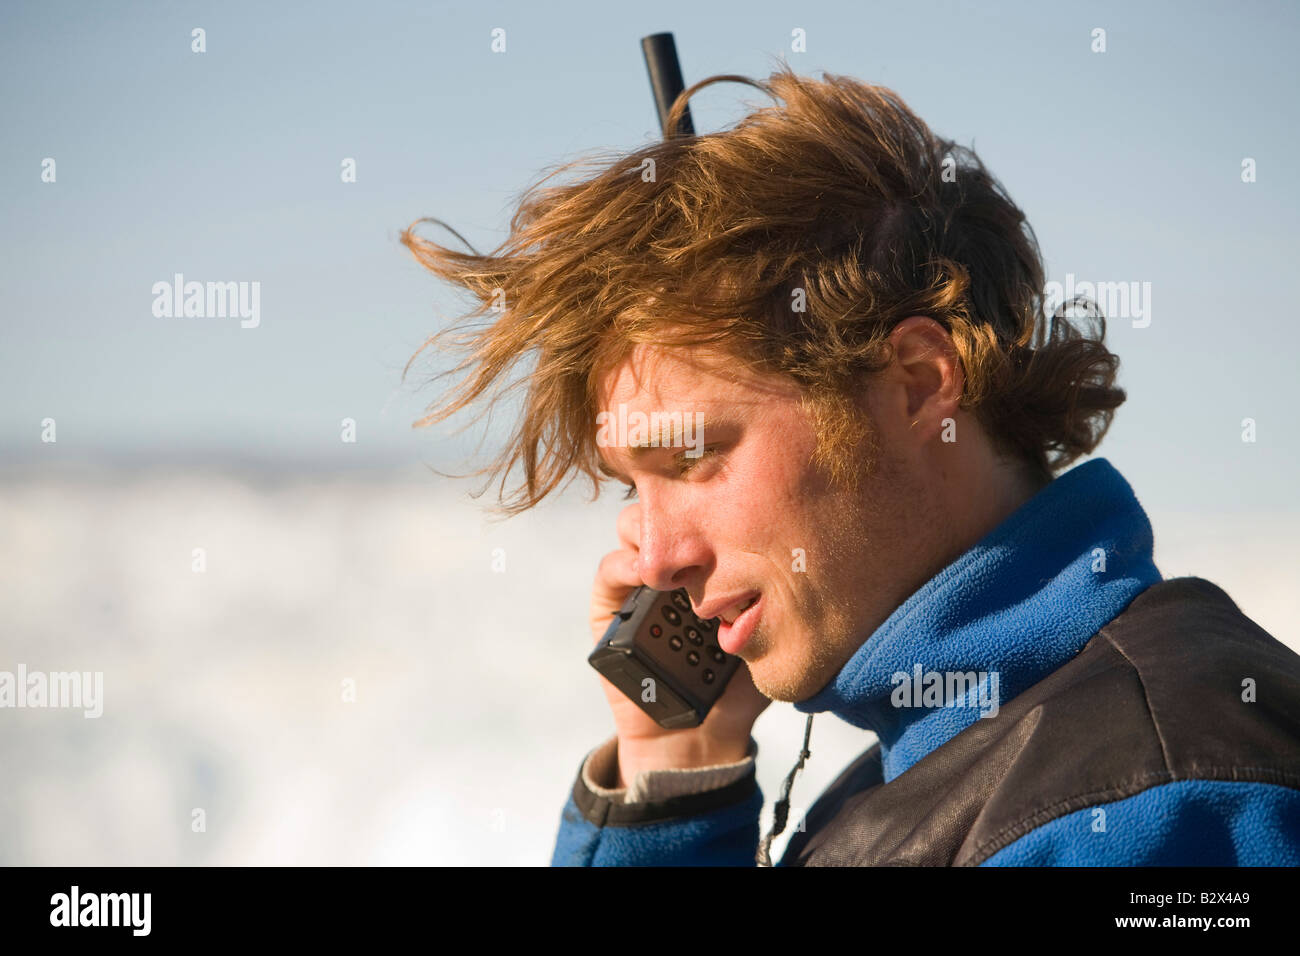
(753, 515)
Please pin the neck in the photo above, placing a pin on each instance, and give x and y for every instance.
(980, 499)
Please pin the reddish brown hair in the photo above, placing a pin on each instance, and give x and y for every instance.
(840, 192)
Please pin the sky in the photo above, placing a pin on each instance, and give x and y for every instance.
(225, 165)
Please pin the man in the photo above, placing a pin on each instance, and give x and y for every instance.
(850, 311)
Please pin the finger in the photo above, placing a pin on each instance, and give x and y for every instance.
(617, 574)
(616, 578)
(629, 526)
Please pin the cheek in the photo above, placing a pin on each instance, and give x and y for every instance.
(764, 509)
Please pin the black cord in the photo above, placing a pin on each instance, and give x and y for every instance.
(782, 810)
(463, 240)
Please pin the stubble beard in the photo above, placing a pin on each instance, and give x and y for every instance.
(793, 672)
(818, 635)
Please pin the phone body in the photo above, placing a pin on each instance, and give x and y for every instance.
(664, 658)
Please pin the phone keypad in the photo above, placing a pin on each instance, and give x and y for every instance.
(703, 659)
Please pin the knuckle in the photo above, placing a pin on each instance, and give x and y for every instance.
(606, 566)
(615, 566)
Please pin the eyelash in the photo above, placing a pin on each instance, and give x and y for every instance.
(684, 464)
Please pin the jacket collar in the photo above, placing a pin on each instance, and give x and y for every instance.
(1012, 609)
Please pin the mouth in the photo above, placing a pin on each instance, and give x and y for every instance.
(730, 617)
(734, 634)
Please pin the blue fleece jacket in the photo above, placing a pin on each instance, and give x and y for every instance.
(1021, 602)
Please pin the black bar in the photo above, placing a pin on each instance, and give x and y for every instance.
(333, 906)
(666, 79)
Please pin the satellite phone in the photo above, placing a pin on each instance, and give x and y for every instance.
(656, 651)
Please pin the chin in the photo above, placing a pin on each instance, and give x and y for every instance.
(782, 680)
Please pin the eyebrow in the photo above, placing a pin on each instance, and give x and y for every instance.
(640, 451)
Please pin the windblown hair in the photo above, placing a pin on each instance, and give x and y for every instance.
(795, 241)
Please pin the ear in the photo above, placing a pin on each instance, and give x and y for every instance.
(929, 372)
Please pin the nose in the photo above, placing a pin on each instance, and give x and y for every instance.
(672, 548)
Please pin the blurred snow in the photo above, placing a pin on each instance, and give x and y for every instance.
(474, 704)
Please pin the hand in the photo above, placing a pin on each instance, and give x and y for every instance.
(642, 743)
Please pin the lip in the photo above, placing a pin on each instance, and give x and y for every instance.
(732, 637)
(716, 608)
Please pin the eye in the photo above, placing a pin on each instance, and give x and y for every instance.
(683, 463)
(687, 463)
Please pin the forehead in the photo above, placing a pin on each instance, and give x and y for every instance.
(688, 386)
(677, 377)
